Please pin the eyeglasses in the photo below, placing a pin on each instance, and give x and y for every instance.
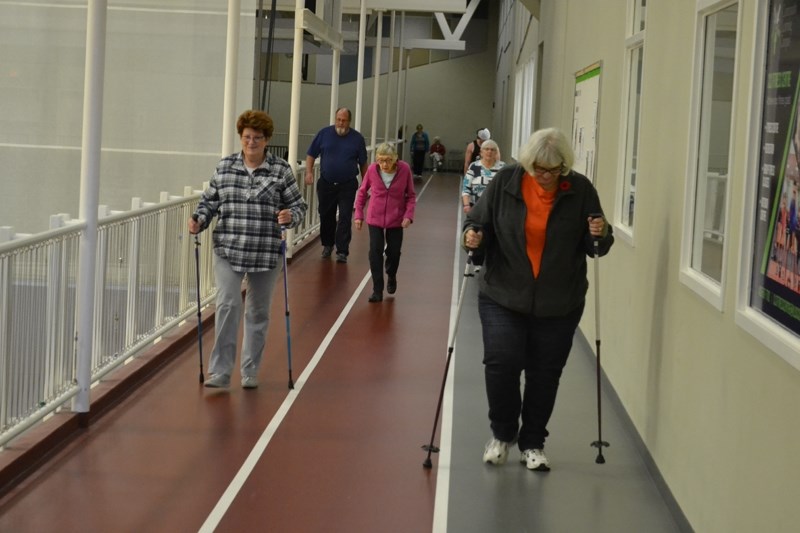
(257, 139)
(385, 160)
(541, 171)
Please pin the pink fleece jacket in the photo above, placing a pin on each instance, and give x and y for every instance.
(387, 206)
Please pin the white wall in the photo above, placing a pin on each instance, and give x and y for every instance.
(716, 408)
(163, 100)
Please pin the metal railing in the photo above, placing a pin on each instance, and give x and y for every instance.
(144, 285)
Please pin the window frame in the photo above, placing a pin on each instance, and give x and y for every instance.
(525, 83)
(704, 285)
(633, 43)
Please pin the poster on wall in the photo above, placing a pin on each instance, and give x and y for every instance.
(775, 287)
(584, 119)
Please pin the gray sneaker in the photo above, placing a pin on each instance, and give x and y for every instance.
(249, 382)
(327, 251)
(341, 258)
(217, 381)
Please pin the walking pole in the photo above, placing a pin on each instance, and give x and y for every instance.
(468, 273)
(599, 443)
(286, 306)
(199, 318)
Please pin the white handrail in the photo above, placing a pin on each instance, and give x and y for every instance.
(144, 286)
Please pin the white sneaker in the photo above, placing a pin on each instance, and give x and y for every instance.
(217, 381)
(496, 452)
(249, 382)
(535, 459)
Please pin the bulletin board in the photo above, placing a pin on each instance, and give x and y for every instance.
(585, 119)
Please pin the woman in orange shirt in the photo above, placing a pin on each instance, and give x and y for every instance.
(534, 227)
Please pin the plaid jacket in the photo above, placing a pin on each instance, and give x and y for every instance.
(247, 234)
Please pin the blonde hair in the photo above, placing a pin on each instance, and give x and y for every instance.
(547, 148)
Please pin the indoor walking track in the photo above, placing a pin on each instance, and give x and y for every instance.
(342, 450)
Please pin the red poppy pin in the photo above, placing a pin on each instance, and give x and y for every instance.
(564, 185)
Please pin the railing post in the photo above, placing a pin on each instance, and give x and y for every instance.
(54, 318)
(5, 339)
(186, 245)
(99, 297)
(161, 266)
(6, 233)
(132, 303)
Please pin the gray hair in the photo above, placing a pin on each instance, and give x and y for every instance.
(386, 149)
(547, 148)
(490, 144)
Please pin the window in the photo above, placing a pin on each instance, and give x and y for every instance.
(526, 86)
(634, 58)
(707, 190)
(523, 106)
(639, 8)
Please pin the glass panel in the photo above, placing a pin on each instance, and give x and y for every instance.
(714, 138)
(639, 9)
(632, 139)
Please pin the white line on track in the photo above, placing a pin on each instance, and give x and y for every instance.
(225, 501)
(446, 437)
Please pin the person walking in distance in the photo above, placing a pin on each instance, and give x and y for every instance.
(389, 186)
(480, 174)
(533, 227)
(419, 145)
(344, 156)
(472, 152)
(254, 194)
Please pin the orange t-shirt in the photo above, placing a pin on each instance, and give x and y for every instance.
(539, 203)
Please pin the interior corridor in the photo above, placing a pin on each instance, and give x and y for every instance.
(342, 450)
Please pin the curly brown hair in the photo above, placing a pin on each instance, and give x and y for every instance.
(257, 120)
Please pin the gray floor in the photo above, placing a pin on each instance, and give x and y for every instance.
(577, 494)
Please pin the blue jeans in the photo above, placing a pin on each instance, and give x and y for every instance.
(514, 343)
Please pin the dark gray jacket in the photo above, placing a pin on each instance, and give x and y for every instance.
(507, 277)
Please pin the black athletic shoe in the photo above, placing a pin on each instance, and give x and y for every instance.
(391, 285)
(326, 251)
(376, 297)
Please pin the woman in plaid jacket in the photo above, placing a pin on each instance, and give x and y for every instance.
(254, 195)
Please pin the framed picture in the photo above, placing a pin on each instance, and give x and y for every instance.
(775, 283)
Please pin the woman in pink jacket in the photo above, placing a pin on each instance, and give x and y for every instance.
(390, 188)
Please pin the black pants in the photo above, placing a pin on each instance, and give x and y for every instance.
(514, 343)
(418, 161)
(388, 240)
(332, 196)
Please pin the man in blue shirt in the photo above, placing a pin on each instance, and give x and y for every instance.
(343, 154)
